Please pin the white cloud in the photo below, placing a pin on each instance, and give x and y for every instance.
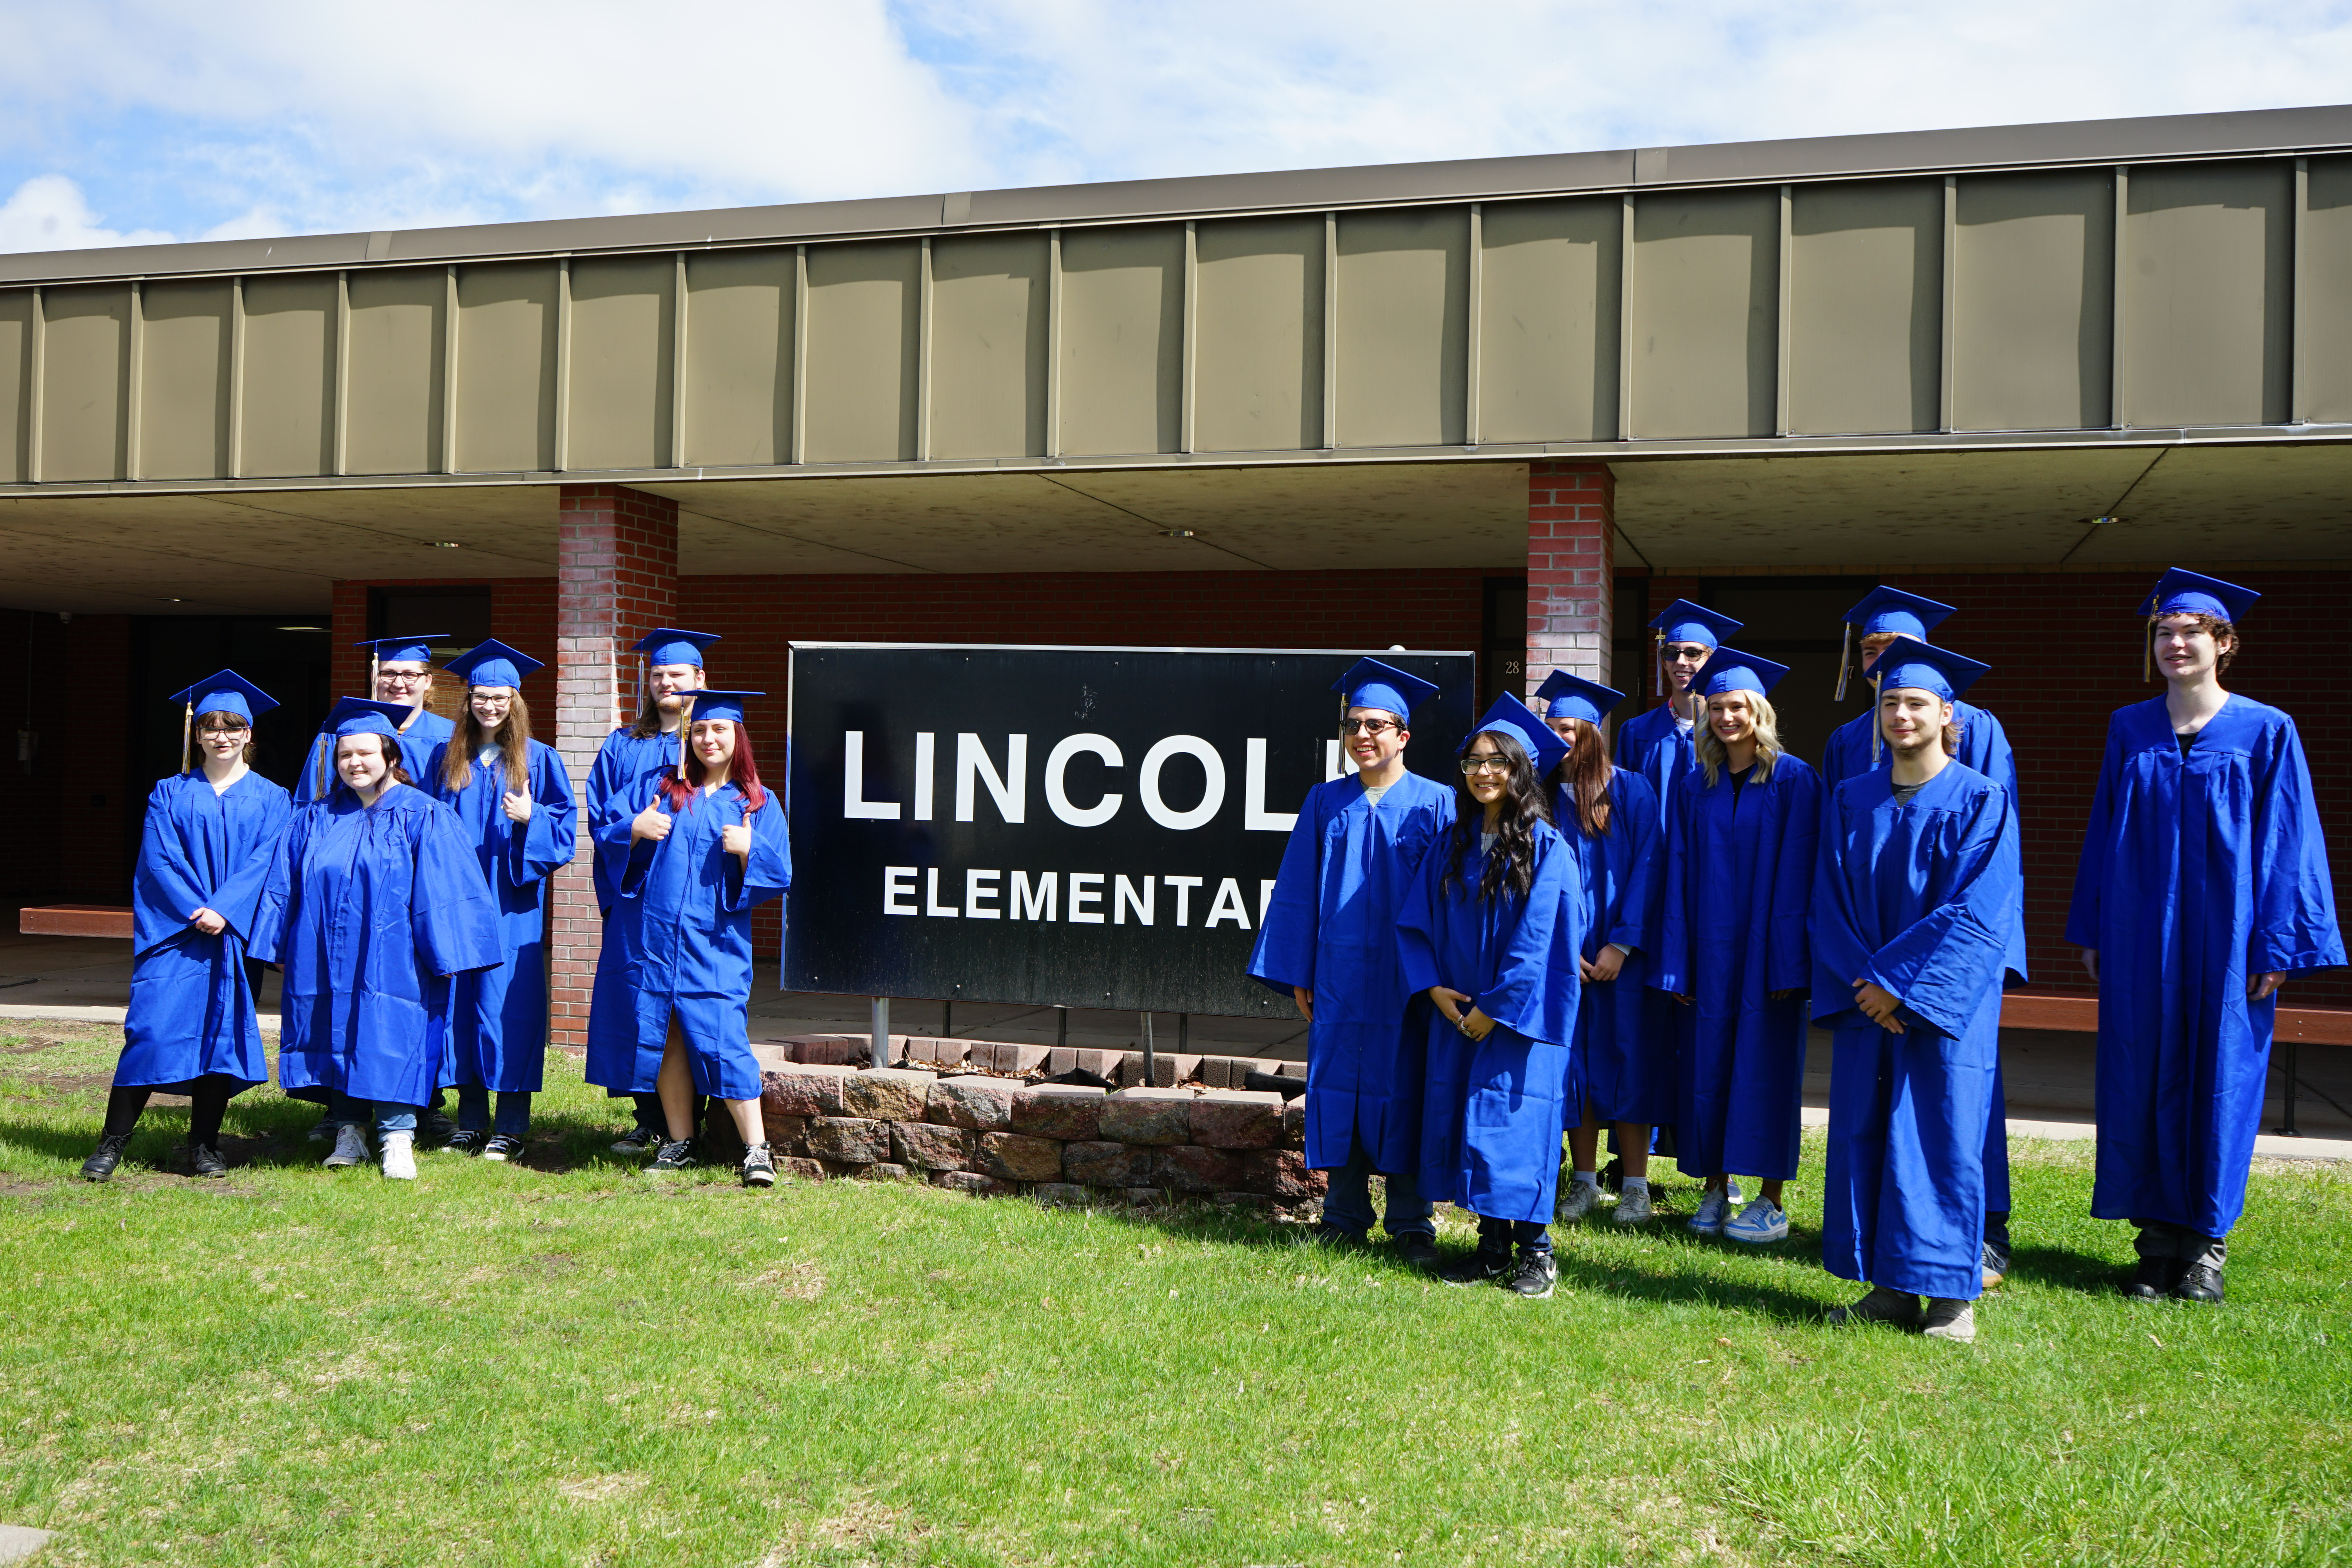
(49, 212)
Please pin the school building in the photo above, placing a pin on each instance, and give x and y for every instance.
(1508, 404)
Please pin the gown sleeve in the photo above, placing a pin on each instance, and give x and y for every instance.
(2294, 903)
(1638, 893)
(768, 870)
(2091, 872)
(451, 913)
(1840, 953)
(275, 907)
(1670, 960)
(238, 898)
(1944, 965)
(1526, 974)
(166, 887)
(1788, 951)
(1284, 955)
(1417, 921)
(548, 840)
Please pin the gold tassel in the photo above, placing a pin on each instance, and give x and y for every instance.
(187, 730)
(1845, 651)
(1658, 661)
(2147, 653)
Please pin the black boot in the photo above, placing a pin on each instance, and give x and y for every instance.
(2154, 1279)
(101, 1164)
(2199, 1282)
(204, 1160)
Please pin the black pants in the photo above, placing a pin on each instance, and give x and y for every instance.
(2160, 1238)
(1498, 1235)
(208, 1098)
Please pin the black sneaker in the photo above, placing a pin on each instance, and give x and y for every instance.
(677, 1155)
(467, 1141)
(759, 1166)
(436, 1127)
(2199, 1282)
(639, 1140)
(1480, 1268)
(321, 1130)
(2154, 1279)
(501, 1148)
(1533, 1275)
(205, 1160)
(1417, 1249)
(102, 1160)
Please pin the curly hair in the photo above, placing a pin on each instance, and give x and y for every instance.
(2224, 635)
(1511, 869)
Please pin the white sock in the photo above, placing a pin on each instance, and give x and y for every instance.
(1590, 1178)
(1634, 1184)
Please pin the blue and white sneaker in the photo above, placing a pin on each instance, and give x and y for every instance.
(1759, 1223)
(1714, 1208)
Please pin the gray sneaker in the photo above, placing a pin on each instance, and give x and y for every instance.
(1953, 1321)
(1714, 1208)
(1881, 1306)
(350, 1147)
(1633, 1207)
(1579, 1201)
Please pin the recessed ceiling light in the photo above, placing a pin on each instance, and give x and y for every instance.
(174, 601)
(1175, 533)
(446, 544)
(302, 628)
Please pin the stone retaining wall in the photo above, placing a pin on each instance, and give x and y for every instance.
(981, 1131)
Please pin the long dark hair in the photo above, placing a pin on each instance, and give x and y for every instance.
(744, 771)
(1583, 776)
(1512, 867)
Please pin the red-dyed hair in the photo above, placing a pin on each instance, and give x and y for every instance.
(744, 771)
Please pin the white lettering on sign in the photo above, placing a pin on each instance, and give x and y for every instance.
(898, 890)
(1228, 906)
(925, 767)
(1093, 815)
(854, 804)
(1183, 886)
(931, 897)
(1265, 897)
(1033, 903)
(1086, 897)
(1255, 819)
(980, 895)
(1212, 793)
(1125, 897)
(1010, 788)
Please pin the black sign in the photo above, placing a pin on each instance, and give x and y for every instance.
(1097, 827)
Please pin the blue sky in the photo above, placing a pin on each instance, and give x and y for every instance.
(136, 120)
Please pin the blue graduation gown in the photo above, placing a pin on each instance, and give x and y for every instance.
(370, 910)
(1920, 900)
(622, 782)
(424, 735)
(1492, 1110)
(1739, 884)
(1984, 747)
(1330, 930)
(191, 1009)
(498, 1019)
(684, 915)
(1624, 1059)
(2196, 874)
(1652, 745)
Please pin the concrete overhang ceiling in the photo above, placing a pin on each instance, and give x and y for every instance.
(271, 552)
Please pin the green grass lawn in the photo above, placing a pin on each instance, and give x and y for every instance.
(571, 1362)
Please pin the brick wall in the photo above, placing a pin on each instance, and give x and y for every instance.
(522, 615)
(1571, 542)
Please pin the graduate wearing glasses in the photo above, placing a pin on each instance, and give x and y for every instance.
(1328, 941)
(400, 675)
(2203, 885)
(204, 857)
(1914, 900)
(1661, 745)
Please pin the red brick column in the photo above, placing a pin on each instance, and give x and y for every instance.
(616, 579)
(1571, 529)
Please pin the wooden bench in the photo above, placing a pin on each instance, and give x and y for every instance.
(76, 919)
(2080, 1014)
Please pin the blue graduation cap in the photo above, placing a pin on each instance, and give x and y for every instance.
(2180, 593)
(669, 645)
(1883, 610)
(1729, 670)
(416, 646)
(365, 716)
(1573, 696)
(1511, 717)
(493, 663)
(1915, 666)
(1682, 621)
(226, 692)
(719, 704)
(1368, 683)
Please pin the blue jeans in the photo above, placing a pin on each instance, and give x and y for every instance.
(1348, 1204)
(388, 1117)
(474, 1111)
(1497, 1235)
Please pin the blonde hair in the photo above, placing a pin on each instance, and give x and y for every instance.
(1712, 758)
(512, 738)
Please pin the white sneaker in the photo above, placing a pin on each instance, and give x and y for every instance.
(400, 1156)
(1759, 1223)
(1577, 1201)
(1732, 1195)
(350, 1147)
(1714, 1208)
(1633, 1206)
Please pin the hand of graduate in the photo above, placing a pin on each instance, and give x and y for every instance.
(1879, 1005)
(1475, 1024)
(211, 924)
(1449, 1002)
(1601, 970)
(2091, 963)
(737, 841)
(1790, 995)
(1305, 1000)
(518, 807)
(2262, 987)
(651, 823)
(1684, 997)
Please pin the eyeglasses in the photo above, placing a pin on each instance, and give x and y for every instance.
(228, 729)
(1474, 765)
(401, 676)
(1368, 726)
(1686, 650)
